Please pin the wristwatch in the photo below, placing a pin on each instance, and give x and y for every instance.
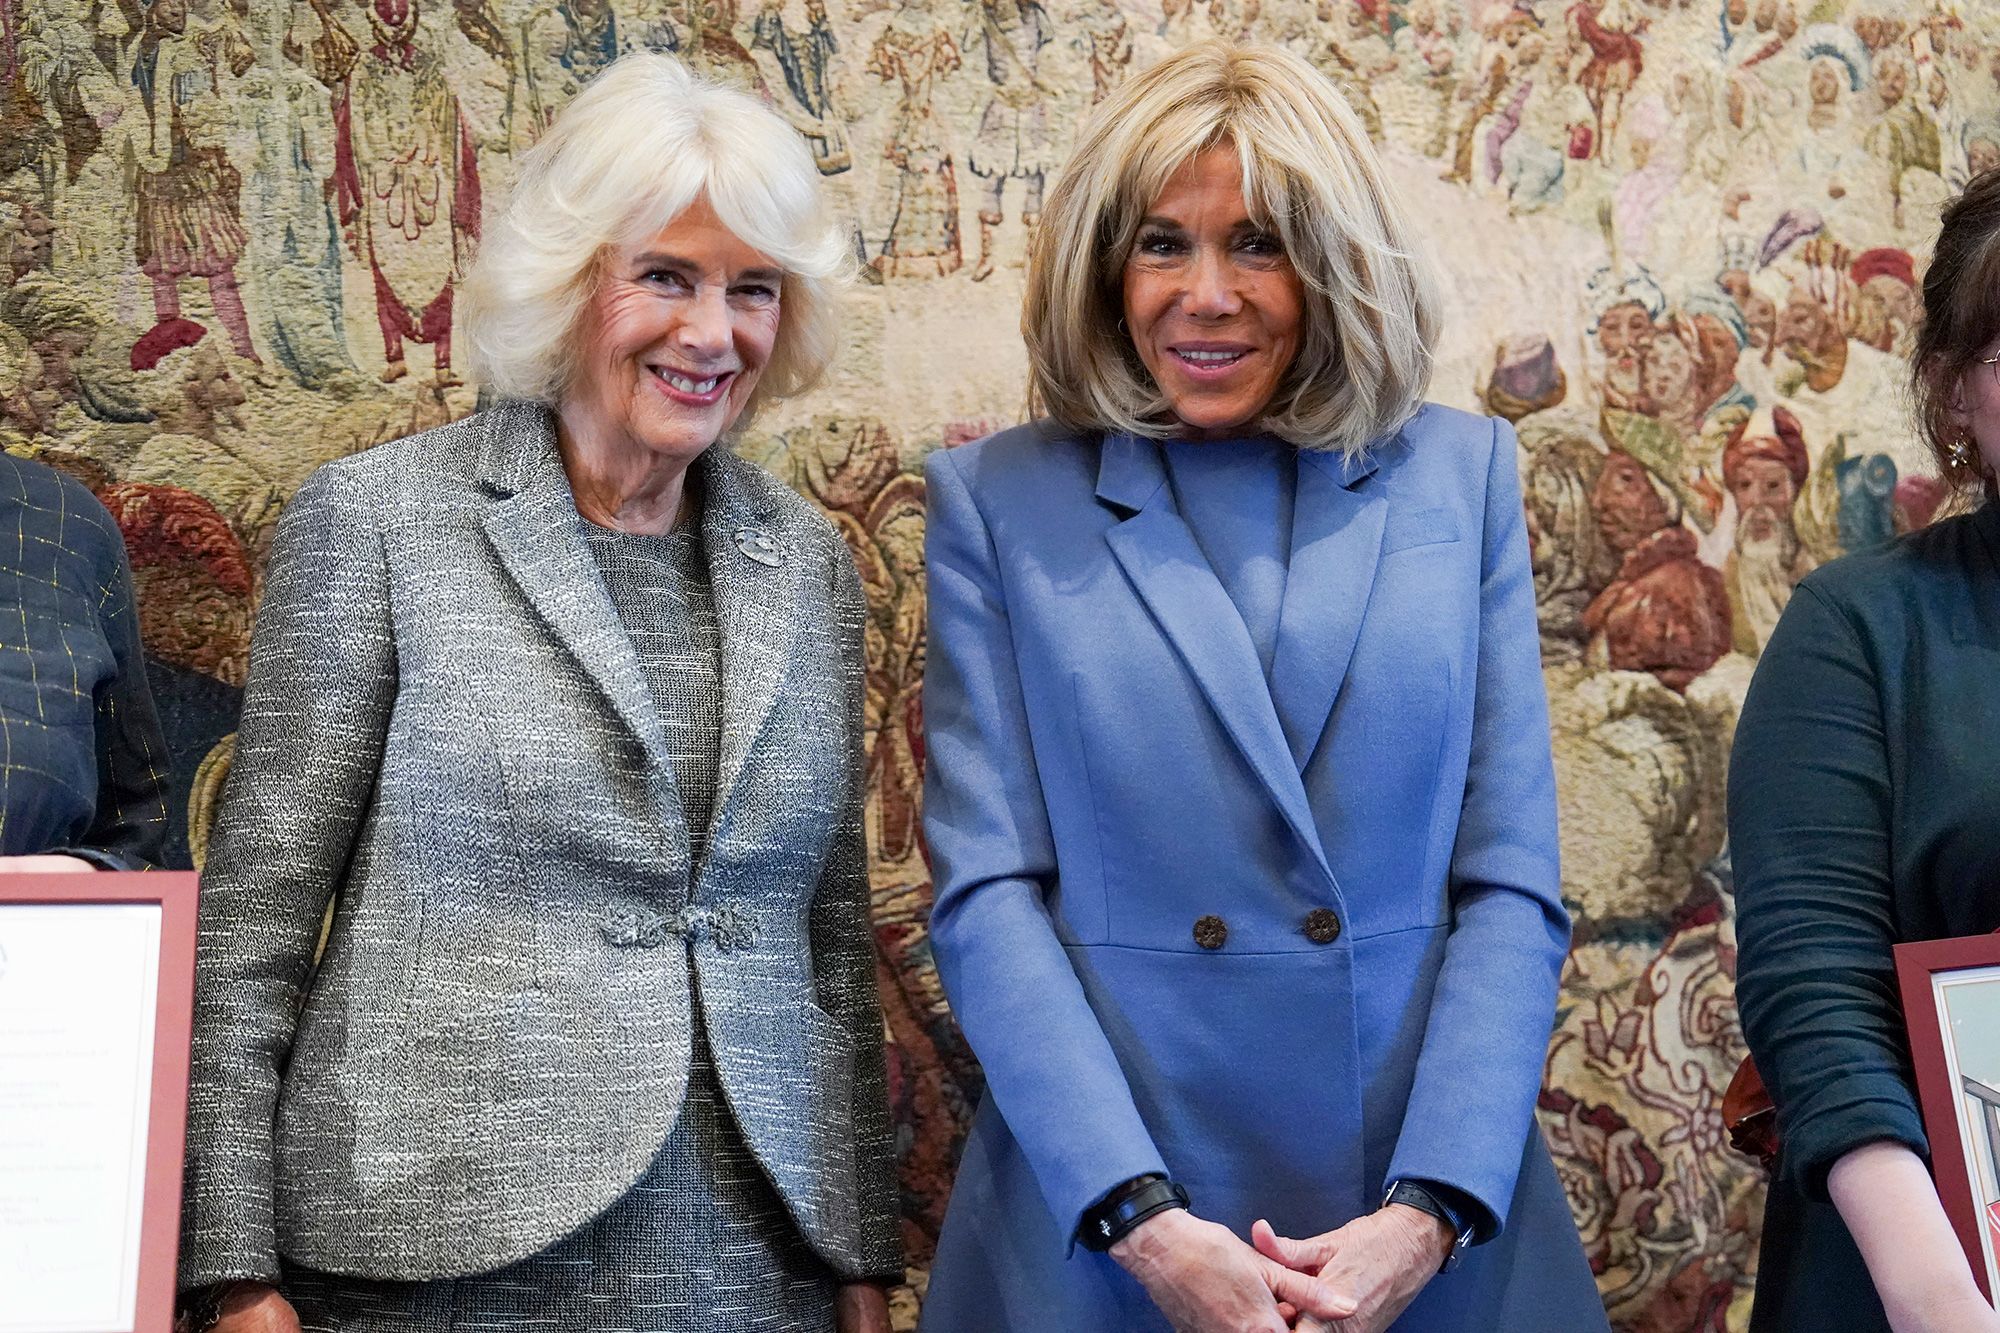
(1415, 1195)
(1119, 1213)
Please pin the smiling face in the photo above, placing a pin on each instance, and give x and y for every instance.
(674, 339)
(1215, 309)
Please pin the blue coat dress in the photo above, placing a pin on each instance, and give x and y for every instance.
(1286, 941)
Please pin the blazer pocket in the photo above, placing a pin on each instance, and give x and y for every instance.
(1423, 527)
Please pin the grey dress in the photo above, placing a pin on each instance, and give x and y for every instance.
(702, 1243)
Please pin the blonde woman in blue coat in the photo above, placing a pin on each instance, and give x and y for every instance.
(1240, 800)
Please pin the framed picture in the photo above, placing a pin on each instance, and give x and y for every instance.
(1951, 999)
(96, 997)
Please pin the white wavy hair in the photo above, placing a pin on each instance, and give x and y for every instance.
(640, 143)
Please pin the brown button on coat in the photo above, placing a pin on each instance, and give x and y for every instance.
(1322, 925)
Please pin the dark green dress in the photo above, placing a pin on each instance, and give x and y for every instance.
(1864, 810)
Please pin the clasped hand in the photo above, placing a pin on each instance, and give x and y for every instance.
(1355, 1279)
(1381, 1260)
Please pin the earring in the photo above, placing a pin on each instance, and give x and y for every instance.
(1961, 454)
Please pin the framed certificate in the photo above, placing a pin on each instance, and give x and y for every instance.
(96, 997)
(1951, 999)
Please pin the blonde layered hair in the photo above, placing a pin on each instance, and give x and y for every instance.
(640, 143)
(1309, 175)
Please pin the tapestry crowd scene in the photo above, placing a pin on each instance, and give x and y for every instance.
(1676, 249)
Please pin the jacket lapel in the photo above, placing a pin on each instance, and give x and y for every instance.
(538, 534)
(1337, 527)
(754, 572)
(1167, 569)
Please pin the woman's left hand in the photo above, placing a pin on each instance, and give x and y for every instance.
(53, 864)
(862, 1307)
(1383, 1260)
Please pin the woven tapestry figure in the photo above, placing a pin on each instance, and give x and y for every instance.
(913, 54)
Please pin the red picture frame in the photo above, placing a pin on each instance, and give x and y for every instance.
(175, 893)
(1961, 1112)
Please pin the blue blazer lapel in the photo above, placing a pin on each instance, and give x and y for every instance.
(1167, 569)
(537, 534)
(1336, 544)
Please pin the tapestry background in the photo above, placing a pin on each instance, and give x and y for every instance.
(230, 230)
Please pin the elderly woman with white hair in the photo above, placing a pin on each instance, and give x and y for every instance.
(554, 718)
(1240, 802)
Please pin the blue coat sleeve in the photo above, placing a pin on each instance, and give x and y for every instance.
(1472, 1104)
(1049, 1068)
(1809, 833)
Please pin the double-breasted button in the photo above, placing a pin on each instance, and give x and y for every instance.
(1322, 925)
(1210, 932)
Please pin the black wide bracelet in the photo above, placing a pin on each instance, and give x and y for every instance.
(1438, 1201)
(1120, 1212)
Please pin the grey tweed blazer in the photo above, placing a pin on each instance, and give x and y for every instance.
(447, 737)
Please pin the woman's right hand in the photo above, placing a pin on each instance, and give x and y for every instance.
(253, 1307)
(1207, 1280)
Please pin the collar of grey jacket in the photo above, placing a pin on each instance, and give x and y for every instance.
(538, 534)
(520, 446)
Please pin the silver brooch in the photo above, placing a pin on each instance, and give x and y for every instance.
(760, 546)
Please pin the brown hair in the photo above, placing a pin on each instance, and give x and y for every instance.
(1961, 318)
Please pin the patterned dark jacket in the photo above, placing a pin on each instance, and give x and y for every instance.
(447, 737)
(83, 768)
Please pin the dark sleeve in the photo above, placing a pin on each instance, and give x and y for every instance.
(843, 950)
(1809, 812)
(129, 829)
